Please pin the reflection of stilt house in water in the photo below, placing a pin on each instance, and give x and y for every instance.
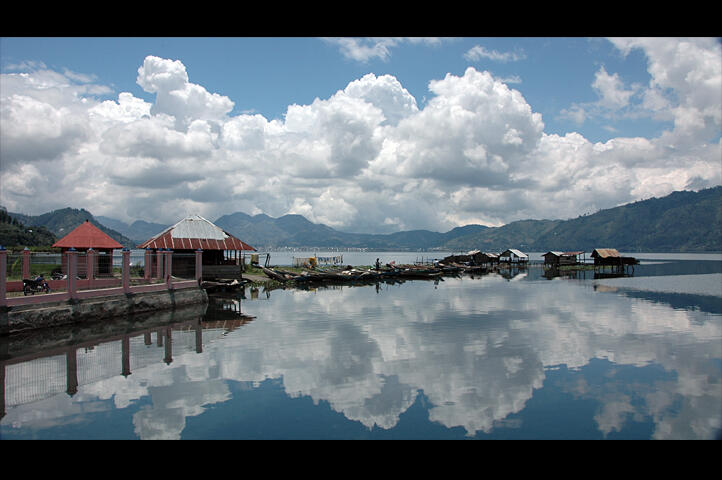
(222, 251)
(84, 237)
(558, 259)
(513, 256)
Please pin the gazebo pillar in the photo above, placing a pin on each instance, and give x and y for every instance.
(169, 268)
(148, 264)
(126, 270)
(72, 255)
(199, 264)
(159, 263)
(90, 267)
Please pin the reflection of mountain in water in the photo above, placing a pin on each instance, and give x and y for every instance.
(684, 301)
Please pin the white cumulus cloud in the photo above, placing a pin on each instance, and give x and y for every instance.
(367, 158)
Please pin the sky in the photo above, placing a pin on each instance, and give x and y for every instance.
(372, 135)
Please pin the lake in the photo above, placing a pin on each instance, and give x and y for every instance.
(518, 355)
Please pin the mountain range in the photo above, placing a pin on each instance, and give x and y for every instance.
(679, 222)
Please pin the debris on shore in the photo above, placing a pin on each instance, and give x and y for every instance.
(359, 274)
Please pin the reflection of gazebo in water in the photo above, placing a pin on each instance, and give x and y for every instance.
(221, 250)
(84, 237)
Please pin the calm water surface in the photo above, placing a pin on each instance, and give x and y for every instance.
(513, 356)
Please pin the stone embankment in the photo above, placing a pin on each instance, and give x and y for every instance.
(29, 317)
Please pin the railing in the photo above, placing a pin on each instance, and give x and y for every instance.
(92, 274)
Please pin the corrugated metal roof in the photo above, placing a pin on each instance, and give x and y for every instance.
(195, 232)
(87, 235)
(516, 252)
(605, 252)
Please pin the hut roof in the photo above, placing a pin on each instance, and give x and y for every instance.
(516, 252)
(195, 232)
(563, 254)
(605, 252)
(87, 235)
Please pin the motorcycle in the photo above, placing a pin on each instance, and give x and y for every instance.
(32, 286)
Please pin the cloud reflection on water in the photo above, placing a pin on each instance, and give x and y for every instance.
(478, 349)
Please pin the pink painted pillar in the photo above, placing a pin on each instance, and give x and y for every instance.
(26, 263)
(72, 272)
(199, 264)
(169, 268)
(159, 263)
(126, 270)
(148, 264)
(90, 267)
(3, 276)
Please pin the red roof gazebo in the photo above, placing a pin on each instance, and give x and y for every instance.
(84, 237)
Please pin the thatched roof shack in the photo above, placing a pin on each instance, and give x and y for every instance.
(489, 258)
(512, 255)
(195, 232)
(610, 256)
(84, 237)
(474, 257)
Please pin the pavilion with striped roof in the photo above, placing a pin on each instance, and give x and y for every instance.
(195, 232)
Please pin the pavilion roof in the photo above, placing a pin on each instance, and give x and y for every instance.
(195, 232)
(87, 235)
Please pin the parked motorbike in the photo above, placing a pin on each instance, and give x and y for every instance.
(32, 286)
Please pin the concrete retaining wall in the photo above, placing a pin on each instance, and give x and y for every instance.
(29, 317)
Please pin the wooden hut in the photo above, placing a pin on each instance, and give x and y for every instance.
(476, 257)
(222, 251)
(558, 259)
(472, 258)
(84, 237)
(513, 255)
(488, 258)
(611, 257)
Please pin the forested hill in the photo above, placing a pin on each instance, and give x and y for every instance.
(680, 222)
(63, 221)
(14, 233)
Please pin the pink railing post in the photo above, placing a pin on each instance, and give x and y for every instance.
(3, 276)
(26, 263)
(169, 268)
(199, 264)
(72, 272)
(126, 270)
(90, 267)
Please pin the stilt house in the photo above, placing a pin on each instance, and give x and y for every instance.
(558, 259)
(513, 255)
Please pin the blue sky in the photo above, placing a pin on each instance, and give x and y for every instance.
(484, 127)
(266, 74)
